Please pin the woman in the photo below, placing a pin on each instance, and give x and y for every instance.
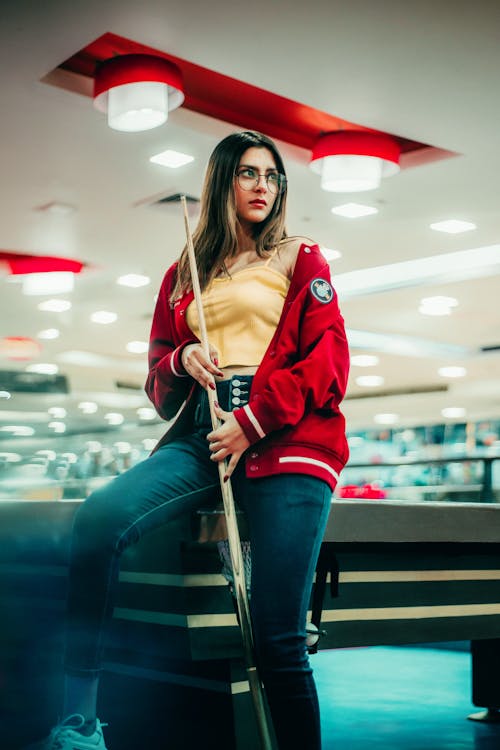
(280, 360)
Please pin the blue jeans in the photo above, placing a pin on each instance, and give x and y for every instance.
(287, 515)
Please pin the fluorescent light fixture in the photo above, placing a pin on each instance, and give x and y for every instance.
(146, 413)
(434, 269)
(452, 372)
(89, 359)
(330, 254)
(5, 394)
(453, 226)
(453, 412)
(88, 407)
(369, 381)
(437, 305)
(43, 368)
(364, 360)
(137, 347)
(55, 282)
(172, 159)
(133, 280)
(59, 427)
(354, 210)
(55, 305)
(49, 333)
(57, 412)
(388, 418)
(403, 346)
(104, 317)
(114, 418)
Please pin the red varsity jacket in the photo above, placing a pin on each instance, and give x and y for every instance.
(292, 420)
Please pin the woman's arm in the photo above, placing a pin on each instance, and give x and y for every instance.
(167, 384)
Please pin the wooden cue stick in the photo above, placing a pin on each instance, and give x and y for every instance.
(231, 522)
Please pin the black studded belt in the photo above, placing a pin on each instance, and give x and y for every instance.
(230, 395)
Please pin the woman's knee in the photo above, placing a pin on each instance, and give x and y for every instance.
(281, 650)
(97, 518)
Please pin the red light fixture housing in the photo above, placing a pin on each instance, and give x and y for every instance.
(137, 91)
(352, 161)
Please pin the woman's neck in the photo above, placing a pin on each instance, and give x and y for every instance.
(246, 242)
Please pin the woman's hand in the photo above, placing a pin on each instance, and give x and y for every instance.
(227, 440)
(200, 368)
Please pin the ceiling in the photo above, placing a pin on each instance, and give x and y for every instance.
(426, 72)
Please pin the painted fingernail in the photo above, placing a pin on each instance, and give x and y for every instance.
(216, 362)
(212, 386)
(226, 477)
(217, 404)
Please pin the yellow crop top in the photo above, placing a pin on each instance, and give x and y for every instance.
(242, 313)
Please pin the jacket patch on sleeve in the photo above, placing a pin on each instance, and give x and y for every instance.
(322, 290)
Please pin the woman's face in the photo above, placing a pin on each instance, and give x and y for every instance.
(253, 193)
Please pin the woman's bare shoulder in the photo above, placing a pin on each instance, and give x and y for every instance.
(289, 249)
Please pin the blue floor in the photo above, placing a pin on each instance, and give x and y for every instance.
(399, 699)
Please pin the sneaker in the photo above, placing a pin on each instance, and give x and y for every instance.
(65, 736)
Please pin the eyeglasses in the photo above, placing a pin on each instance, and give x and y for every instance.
(248, 179)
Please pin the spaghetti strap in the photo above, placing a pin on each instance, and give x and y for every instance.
(271, 257)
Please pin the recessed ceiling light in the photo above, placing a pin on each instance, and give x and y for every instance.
(48, 333)
(104, 317)
(330, 254)
(93, 446)
(133, 280)
(114, 418)
(58, 412)
(437, 305)
(46, 453)
(122, 446)
(149, 443)
(453, 412)
(172, 159)
(55, 305)
(88, 407)
(386, 418)
(146, 413)
(43, 368)
(453, 226)
(364, 360)
(452, 372)
(369, 381)
(18, 430)
(137, 347)
(354, 210)
(57, 426)
(53, 282)
(5, 394)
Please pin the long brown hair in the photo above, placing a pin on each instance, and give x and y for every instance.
(215, 237)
